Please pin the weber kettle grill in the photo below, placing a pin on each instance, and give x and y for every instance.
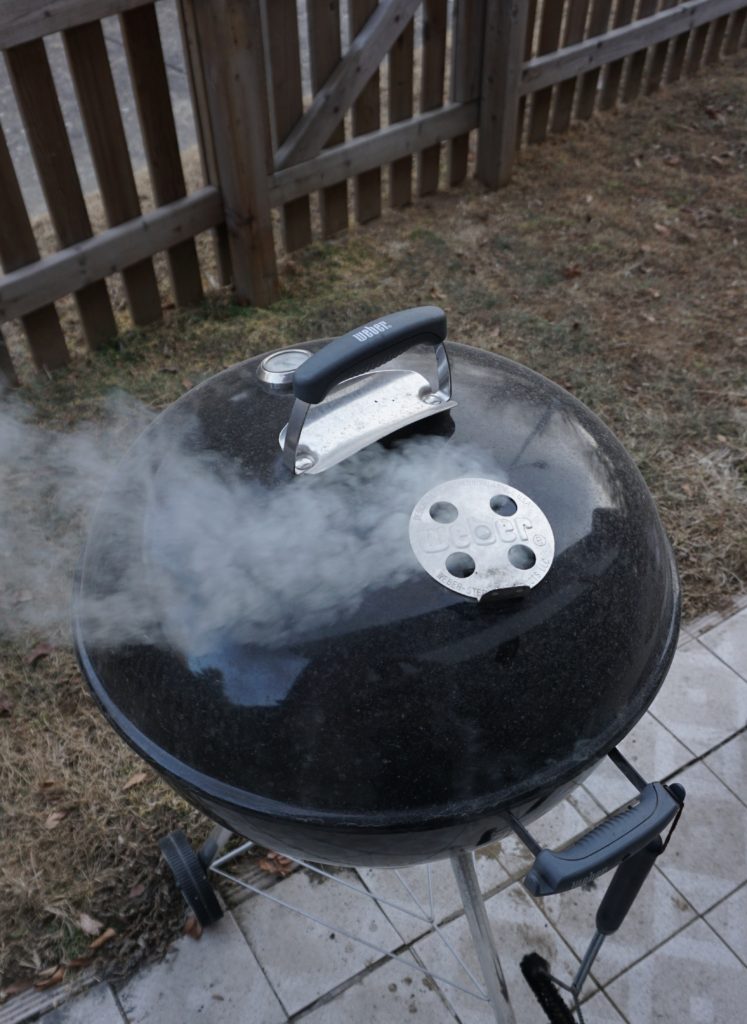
(430, 593)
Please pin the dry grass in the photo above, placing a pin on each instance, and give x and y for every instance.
(615, 263)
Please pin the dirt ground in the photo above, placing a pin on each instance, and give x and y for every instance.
(615, 263)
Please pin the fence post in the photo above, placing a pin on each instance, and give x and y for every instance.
(231, 50)
(503, 56)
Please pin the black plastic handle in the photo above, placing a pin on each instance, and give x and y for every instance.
(625, 885)
(614, 839)
(367, 347)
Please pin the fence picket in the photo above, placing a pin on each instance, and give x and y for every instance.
(614, 70)
(97, 99)
(713, 52)
(142, 43)
(528, 44)
(45, 129)
(466, 72)
(400, 108)
(285, 72)
(574, 33)
(366, 118)
(695, 51)
(736, 28)
(587, 96)
(325, 53)
(205, 138)
(549, 38)
(432, 87)
(637, 61)
(658, 57)
(17, 248)
(8, 376)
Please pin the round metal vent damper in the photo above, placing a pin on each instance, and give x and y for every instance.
(476, 536)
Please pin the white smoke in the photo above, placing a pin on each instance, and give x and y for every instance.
(223, 554)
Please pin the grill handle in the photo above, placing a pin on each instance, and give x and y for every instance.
(369, 346)
(612, 841)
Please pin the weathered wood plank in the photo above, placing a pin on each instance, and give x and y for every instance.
(736, 30)
(97, 99)
(386, 146)
(616, 44)
(17, 248)
(505, 27)
(400, 109)
(366, 118)
(696, 48)
(432, 87)
(142, 42)
(232, 48)
(658, 57)
(346, 82)
(205, 141)
(285, 74)
(637, 62)
(466, 74)
(549, 37)
(74, 268)
(325, 54)
(587, 95)
(8, 375)
(614, 70)
(22, 21)
(45, 129)
(716, 41)
(574, 33)
(528, 49)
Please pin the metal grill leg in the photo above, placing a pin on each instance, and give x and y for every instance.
(463, 865)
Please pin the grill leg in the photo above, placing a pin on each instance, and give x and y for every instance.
(214, 843)
(463, 865)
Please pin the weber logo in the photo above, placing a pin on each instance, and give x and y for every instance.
(372, 330)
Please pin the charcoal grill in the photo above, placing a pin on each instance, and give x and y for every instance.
(396, 597)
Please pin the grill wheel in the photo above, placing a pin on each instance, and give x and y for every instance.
(190, 878)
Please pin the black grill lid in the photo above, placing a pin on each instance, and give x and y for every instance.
(274, 639)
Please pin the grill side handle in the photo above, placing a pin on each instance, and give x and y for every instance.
(368, 347)
(608, 844)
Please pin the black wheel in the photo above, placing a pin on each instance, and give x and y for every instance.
(190, 877)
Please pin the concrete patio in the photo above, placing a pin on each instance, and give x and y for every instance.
(680, 956)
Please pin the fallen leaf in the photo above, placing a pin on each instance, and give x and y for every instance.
(24, 596)
(572, 270)
(187, 383)
(14, 989)
(6, 706)
(137, 890)
(102, 940)
(276, 864)
(718, 160)
(89, 924)
(192, 927)
(672, 161)
(54, 979)
(662, 229)
(55, 818)
(39, 652)
(80, 961)
(135, 780)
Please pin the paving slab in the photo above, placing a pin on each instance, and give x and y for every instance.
(650, 748)
(519, 927)
(97, 1006)
(654, 917)
(304, 960)
(728, 640)
(707, 856)
(703, 701)
(216, 980)
(693, 977)
(729, 920)
(730, 764)
(599, 1010)
(389, 995)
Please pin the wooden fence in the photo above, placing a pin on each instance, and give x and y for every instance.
(296, 113)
